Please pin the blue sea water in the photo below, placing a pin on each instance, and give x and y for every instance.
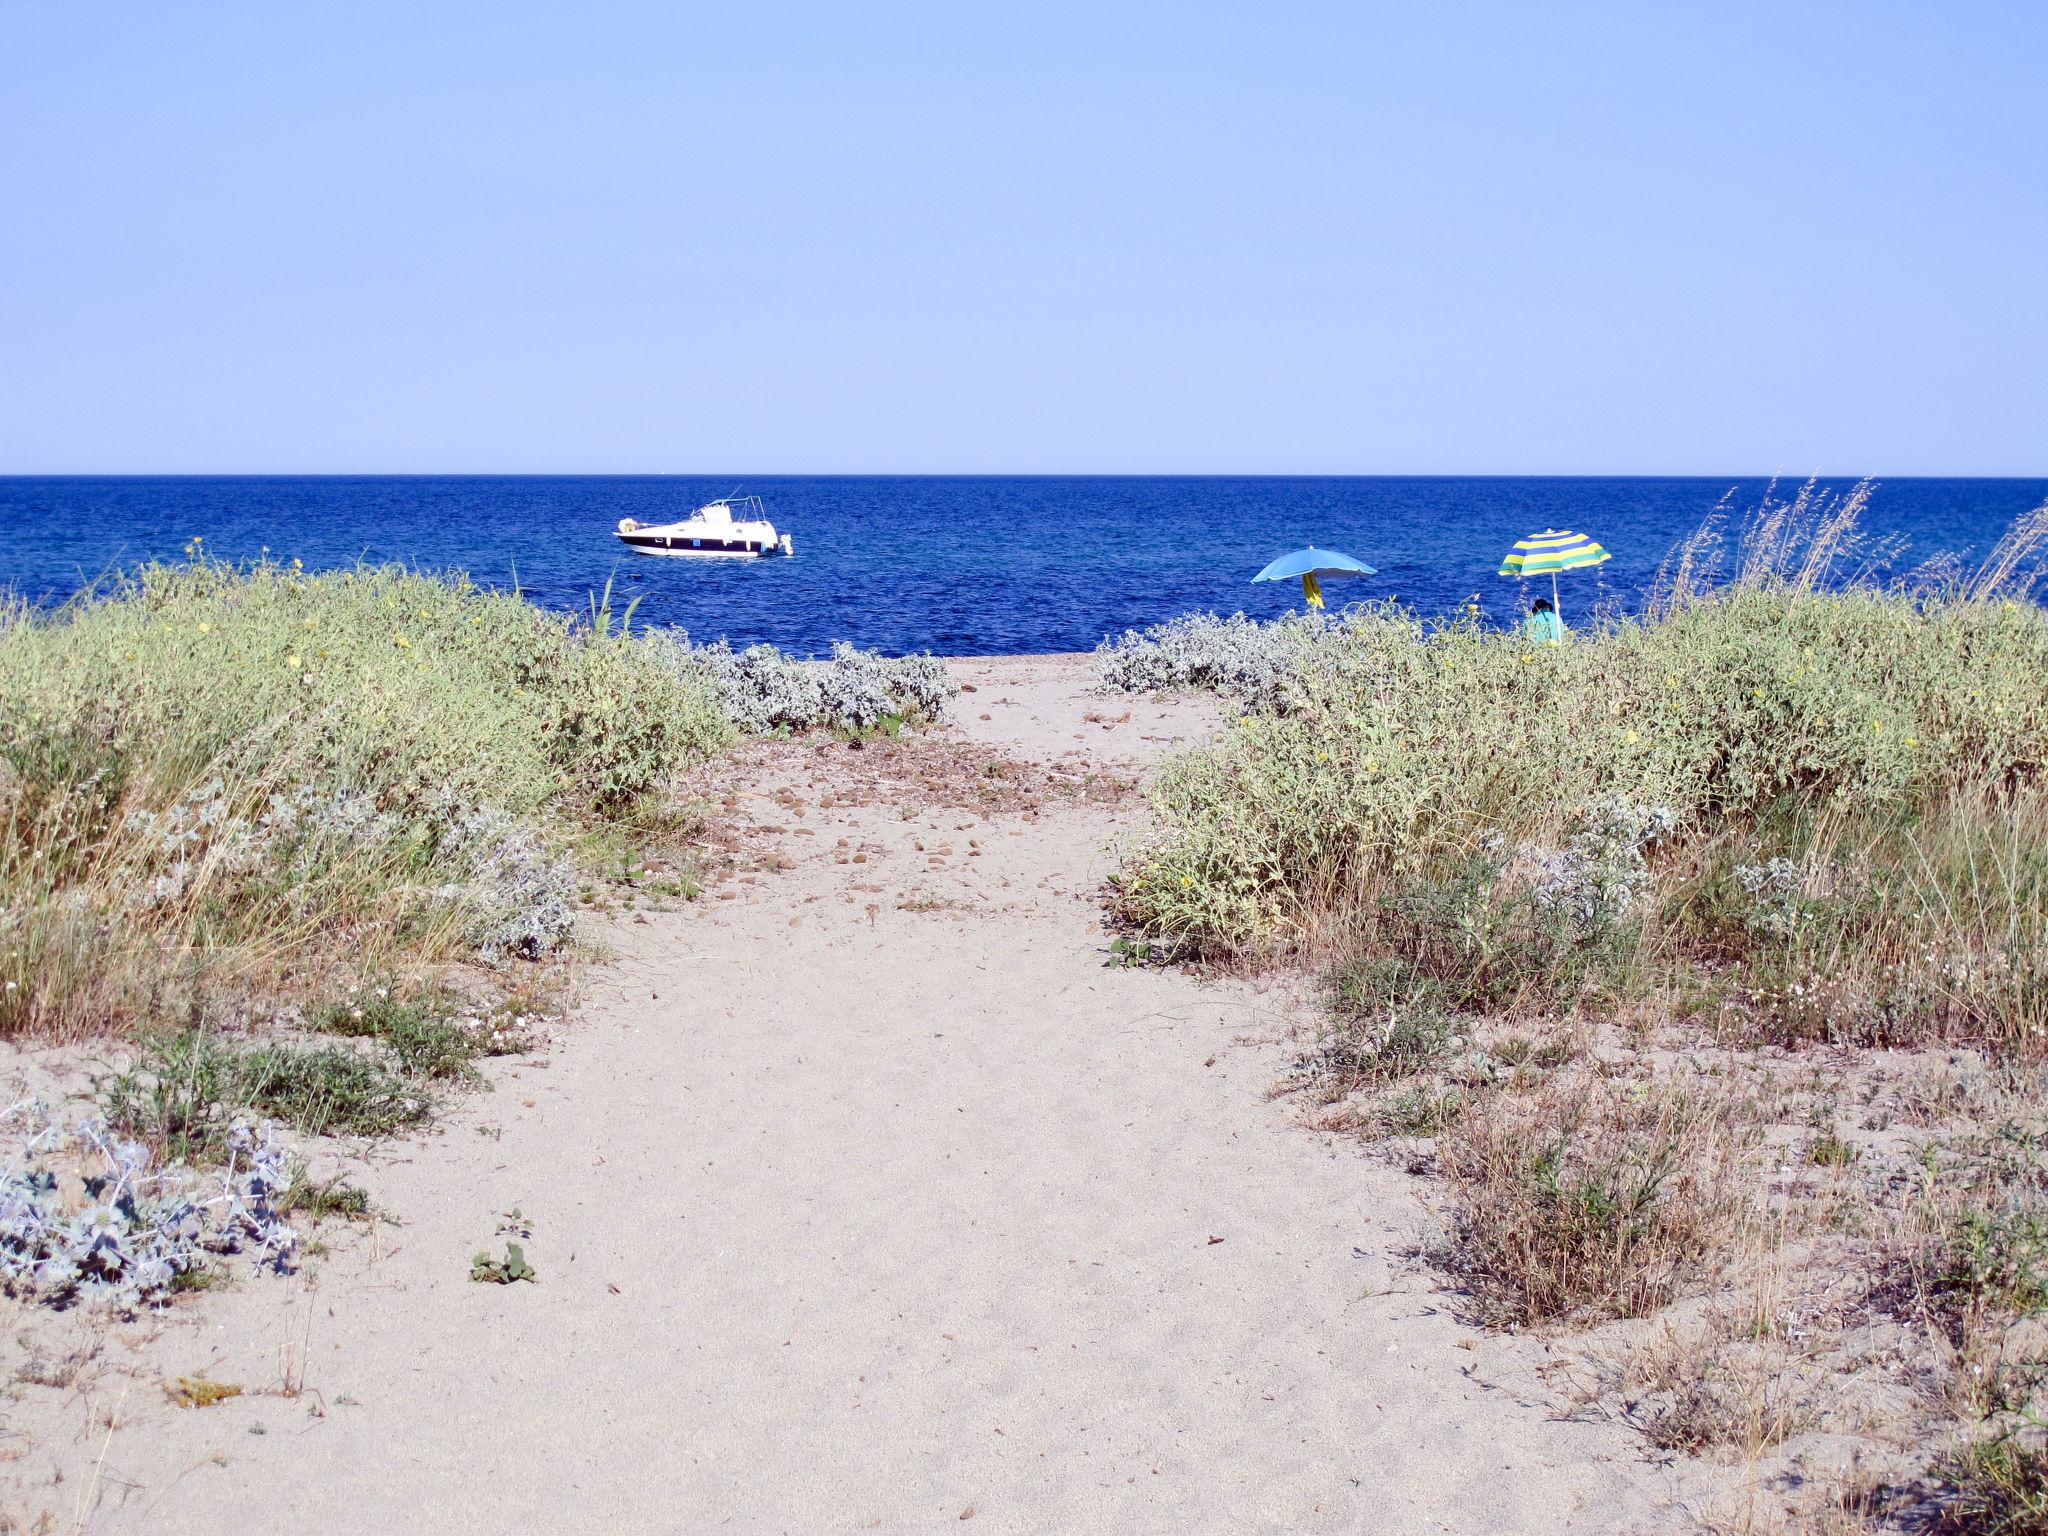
(957, 565)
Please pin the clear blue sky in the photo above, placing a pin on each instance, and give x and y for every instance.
(624, 235)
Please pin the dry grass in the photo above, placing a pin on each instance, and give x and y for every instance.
(218, 781)
(1998, 1487)
(1723, 1016)
(1810, 1268)
(1587, 1197)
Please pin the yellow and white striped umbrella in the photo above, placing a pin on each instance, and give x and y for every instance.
(1547, 553)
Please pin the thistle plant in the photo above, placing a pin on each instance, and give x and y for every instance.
(89, 1218)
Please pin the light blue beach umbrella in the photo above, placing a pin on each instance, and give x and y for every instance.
(1313, 566)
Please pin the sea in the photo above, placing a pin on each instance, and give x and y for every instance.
(956, 565)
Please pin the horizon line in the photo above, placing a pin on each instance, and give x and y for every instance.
(984, 474)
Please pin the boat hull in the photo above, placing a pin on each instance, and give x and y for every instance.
(693, 548)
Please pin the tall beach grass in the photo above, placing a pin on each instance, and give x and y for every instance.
(1827, 792)
(219, 777)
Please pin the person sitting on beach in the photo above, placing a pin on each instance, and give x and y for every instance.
(1543, 624)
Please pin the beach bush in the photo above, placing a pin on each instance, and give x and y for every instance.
(190, 1088)
(1402, 745)
(435, 1034)
(762, 689)
(1833, 794)
(213, 776)
(1996, 1486)
(1241, 658)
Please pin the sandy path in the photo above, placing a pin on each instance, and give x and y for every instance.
(853, 1219)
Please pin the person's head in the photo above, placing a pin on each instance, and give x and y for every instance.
(1541, 605)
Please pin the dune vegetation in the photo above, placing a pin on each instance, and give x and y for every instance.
(1701, 957)
(219, 780)
(215, 779)
(302, 848)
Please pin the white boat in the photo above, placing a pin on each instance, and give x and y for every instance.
(732, 525)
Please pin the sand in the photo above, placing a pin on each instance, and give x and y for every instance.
(863, 1196)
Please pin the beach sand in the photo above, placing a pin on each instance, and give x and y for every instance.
(865, 1194)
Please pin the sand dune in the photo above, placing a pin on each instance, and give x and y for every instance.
(865, 1195)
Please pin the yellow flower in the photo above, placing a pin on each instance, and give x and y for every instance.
(1912, 741)
(1322, 757)
(311, 622)
(298, 564)
(1527, 657)
(292, 662)
(1187, 879)
(1372, 765)
(206, 629)
(1632, 738)
(1756, 693)
(1877, 725)
(403, 643)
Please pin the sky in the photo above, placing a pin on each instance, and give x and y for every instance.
(645, 235)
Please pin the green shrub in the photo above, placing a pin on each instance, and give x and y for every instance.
(403, 685)
(1830, 802)
(212, 775)
(1404, 747)
(1391, 1022)
(1996, 1256)
(189, 1087)
(429, 1035)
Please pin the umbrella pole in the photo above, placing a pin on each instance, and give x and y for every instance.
(1557, 607)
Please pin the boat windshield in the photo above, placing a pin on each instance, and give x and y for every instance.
(734, 508)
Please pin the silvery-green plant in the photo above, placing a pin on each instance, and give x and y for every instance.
(1241, 658)
(1778, 890)
(854, 689)
(1603, 870)
(89, 1218)
(763, 689)
(514, 892)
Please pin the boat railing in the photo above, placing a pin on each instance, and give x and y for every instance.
(740, 509)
